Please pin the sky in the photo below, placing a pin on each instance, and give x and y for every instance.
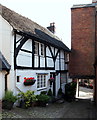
(45, 12)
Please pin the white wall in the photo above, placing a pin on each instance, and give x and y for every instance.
(31, 73)
(2, 83)
(7, 48)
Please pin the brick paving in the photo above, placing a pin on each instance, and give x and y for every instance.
(76, 109)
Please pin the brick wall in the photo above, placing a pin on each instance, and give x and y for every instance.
(82, 55)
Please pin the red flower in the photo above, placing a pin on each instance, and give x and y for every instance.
(51, 78)
(24, 80)
(30, 79)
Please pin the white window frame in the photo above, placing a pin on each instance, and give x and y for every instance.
(41, 49)
(41, 81)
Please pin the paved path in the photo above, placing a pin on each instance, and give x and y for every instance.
(76, 109)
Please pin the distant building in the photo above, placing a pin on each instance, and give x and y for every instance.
(83, 58)
(30, 51)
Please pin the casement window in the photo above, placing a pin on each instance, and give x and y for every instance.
(42, 49)
(39, 49)
(41, 81)
(36, 48)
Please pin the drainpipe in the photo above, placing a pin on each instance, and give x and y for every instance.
(6, 80)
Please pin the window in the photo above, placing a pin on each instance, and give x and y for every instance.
(41, 81)
(18, 78)
(36, 48)
(41, 49)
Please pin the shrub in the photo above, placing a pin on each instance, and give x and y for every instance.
(28, 97)
(8, 100)
(60, 94)
(44, 92)
(9, 96)
(43, 98)
(50, 93)
(70, 91)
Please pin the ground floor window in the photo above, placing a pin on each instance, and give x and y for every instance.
(41, 81)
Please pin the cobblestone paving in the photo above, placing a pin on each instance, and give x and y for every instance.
(76, 109)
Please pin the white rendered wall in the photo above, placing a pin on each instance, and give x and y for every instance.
(2, 84)
(7, 49)
(31, 73)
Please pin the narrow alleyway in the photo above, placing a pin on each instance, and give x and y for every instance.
(77, 109)
(82, 107)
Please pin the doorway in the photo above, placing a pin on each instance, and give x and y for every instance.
(52, 75)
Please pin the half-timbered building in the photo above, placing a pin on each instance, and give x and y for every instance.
(32, 51)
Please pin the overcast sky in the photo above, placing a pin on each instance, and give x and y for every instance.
(45, 12)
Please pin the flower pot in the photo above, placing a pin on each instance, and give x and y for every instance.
(42, 104)
(29, 83)
(23, 104)
(7, 104)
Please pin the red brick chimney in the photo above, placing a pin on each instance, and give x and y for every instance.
(94, 1)
(52, 27)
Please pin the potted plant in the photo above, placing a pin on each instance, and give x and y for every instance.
(60, 94)
(26, 99)
(8, 100)
(29, 81)
(50, 94)
(42, 100)
(51, 79)
(70, 91)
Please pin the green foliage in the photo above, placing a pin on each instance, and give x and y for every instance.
(50, 93)
(43, 98)
(70, 90)
(60, 91)
(9, 96)
(44, 92)
(28, 97)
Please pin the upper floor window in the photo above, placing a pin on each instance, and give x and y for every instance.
(41, 49)
(36, 48)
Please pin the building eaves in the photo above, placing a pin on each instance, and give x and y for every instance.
(83, 5)
(4, 65)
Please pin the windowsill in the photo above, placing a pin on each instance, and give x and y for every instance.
(39, 89)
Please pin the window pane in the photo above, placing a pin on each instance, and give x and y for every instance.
(41, 81)
(42, 49)
(36, 48)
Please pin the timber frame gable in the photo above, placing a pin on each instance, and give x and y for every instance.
(28, 32)
(21, 41)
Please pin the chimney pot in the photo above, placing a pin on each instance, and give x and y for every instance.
(51, 27)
